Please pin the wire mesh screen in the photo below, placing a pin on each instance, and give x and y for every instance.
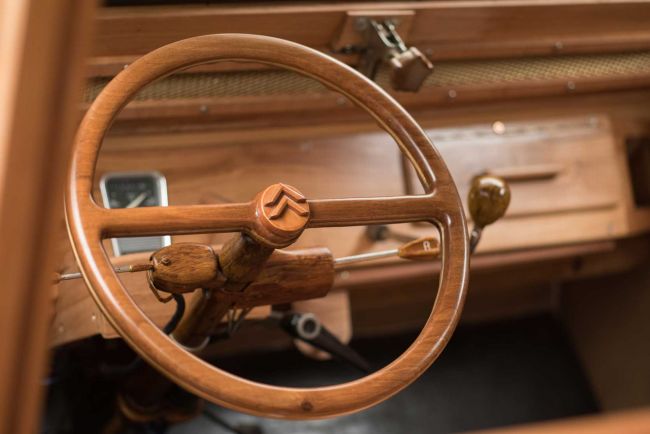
(446, 74)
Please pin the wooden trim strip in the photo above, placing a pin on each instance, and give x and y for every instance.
(442, 30)
(42, 52)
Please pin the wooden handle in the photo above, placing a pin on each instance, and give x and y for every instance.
(241, 259)
(184, 267)
(427, 248)
(488, 199)
(287, 276)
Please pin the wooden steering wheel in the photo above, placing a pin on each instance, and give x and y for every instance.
(89, 223)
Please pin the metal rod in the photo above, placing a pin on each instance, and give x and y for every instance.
(474, 238)
(120, 269)
(345, 260)
(366, 257)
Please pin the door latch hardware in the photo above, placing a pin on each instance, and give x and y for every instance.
(409, 68)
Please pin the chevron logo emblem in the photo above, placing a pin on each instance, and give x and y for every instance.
(283, 198)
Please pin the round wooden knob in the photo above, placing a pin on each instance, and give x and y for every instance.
(488, 198)
(283, 213)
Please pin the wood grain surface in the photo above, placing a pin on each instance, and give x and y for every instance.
(43, 49)
(441, 29)
(89, 223)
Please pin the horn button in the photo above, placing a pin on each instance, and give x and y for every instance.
(282, 213)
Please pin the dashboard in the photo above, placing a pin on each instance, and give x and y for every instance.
(547, 109)
(572, 200)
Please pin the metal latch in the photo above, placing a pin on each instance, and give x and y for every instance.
(409, 68)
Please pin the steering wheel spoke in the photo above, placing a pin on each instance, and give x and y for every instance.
(375, 211)
(175, 220)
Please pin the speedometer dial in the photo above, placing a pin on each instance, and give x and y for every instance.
(131, 190)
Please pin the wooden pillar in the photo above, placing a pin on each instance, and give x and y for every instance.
(43, 45)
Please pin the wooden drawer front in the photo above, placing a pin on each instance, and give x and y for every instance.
(552, 166)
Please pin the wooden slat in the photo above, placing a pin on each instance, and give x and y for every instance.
(42, 47)
(553, 166)
(443, 30)
(584, 203)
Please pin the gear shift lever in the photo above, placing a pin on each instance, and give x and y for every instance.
(488, 200)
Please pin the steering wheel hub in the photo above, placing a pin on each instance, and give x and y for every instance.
(283, 213)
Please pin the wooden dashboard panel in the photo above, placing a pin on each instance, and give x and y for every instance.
(320, 165)
(441, 29)
(552, 166)
(568, 176)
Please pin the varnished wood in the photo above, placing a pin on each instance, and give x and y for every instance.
(184, 267)
(290, 276)
(241, 259)
(427, 248)
(287, 276)
(43, 48)
(534, 172)
(588, 190)
(203, 314)
(588, 199)
(393, 299)
(505, 284)
(548, 211)
(253, 276)
(233, 145)
(442, 29)
(283, 212)
(488, 199)
(88, 223)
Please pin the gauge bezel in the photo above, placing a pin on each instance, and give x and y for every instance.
(161, 185)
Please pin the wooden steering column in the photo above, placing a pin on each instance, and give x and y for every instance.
(89, 223)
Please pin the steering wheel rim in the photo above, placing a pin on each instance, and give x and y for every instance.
(88, 224)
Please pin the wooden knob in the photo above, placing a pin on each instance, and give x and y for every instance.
(421, 249)
(488, 199)
(283, 213)
(184, 267)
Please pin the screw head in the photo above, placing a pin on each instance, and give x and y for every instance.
(361, 24)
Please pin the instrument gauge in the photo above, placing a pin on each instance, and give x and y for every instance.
(131, 190)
